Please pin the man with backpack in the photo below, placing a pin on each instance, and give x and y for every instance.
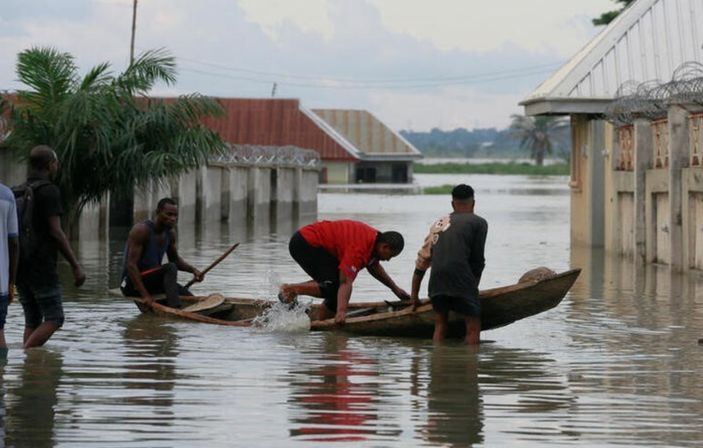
(9, 252)
(41, 238)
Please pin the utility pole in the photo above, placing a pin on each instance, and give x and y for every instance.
(134, 29)
(273, 90)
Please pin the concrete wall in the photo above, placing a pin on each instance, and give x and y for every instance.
(307, 194)
(692, 215)
(587, 185)
(283, 192)
(185, 190)
(237, 194)
(259, 194)
(653, 189)
(11, 172)
(338, 172)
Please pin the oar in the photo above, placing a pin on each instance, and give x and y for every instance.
(214, 263)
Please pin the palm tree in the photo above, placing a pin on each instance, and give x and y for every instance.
(108, 134)
(537, 134)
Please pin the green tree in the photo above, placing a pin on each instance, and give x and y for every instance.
(539, 135)
(108, 134)
(609, 16)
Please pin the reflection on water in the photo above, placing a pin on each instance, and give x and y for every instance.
(617, 363)
(337, 401)
(31, 404)
(454, 408)
(150, 353)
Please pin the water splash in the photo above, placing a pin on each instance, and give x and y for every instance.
(280, 317)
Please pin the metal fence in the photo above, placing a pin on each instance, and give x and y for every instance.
(269, 156)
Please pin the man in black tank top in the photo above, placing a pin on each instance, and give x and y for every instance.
(147, 243)
(454, 249)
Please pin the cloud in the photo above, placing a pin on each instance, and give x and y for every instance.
(445, 63)
(535, 25)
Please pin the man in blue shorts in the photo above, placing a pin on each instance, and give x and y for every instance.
(454, 249)
(9, 254)
(37, 277)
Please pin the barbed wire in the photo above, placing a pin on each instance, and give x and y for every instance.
(651, 99)
(276, 156)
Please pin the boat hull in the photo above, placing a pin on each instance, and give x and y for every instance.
(499, 307)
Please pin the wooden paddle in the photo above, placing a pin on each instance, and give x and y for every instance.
(214, 263)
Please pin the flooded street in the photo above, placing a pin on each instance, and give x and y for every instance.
(617, 363)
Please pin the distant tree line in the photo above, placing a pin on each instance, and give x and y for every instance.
(492, 142)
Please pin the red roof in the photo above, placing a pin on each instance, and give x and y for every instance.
(274, 122)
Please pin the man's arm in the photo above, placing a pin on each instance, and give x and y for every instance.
(181, 264)
(418, 275)
(343, 296)
(14, 249)
(380, 274)
(64, 247)
(424, 259)
(138, 236)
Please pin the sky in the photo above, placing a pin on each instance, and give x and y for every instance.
(415, 64)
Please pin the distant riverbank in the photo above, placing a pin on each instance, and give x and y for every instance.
(510, 168)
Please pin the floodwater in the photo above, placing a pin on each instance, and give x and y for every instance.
(617, 363)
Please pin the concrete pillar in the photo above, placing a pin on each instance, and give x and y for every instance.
(209, 194)
(259, 194)
(611, 193)
(143, 201)
(678, 159)
(308, 192)
(11, 172)
(238, 190)
(594, 181)
(89, 223)
(643, 161)
(161, 188)
(185, 191)
(282, 193)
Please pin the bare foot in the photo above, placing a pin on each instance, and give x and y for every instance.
(286, 294)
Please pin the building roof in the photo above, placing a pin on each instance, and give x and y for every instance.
(278, 122)
(647, 41)
(369, 135)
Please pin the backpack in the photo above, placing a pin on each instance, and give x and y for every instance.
(24, 199)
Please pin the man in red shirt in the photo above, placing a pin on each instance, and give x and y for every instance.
(333, 253)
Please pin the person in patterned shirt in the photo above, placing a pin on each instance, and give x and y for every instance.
(454, 249)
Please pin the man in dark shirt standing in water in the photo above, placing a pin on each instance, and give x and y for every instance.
(37, 278)
(147, 243)
(454, 249)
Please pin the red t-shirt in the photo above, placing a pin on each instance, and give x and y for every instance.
(351, 242)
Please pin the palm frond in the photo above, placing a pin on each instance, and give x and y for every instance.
(149, 68)
(48, 73)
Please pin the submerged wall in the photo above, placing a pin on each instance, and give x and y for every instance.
(250, 186)
(653, 198)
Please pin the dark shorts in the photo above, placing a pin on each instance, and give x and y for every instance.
(4, 302)
(41, 304)
(319, 264)
(460, 305)
(153, 281)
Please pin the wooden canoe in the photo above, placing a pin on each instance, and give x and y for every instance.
(499, 307)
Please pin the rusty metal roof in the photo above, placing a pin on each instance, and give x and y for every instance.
(277, 122)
